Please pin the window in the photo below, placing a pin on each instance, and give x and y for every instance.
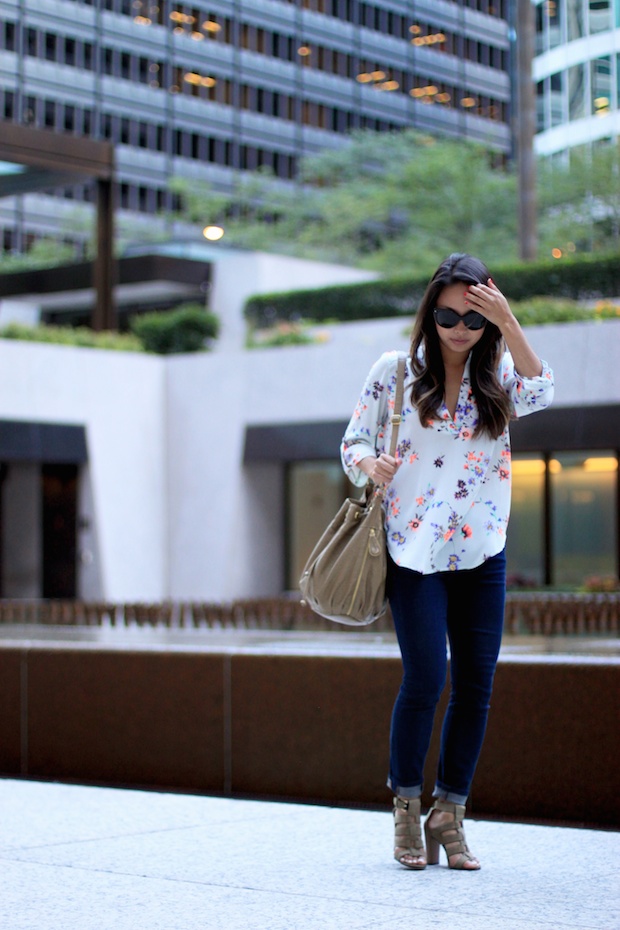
(7, 36)
(574, 19)
(31, 42)
(584, 508)
(555, 11)
(50, 46)
(599, 15)
(524, 543)
(576, 92)
(600, 84)
(69, 53)
(49, 118)
(315, 491)
(557, 99)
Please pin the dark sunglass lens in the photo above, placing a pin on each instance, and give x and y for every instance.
(446, 318)
(474, 320)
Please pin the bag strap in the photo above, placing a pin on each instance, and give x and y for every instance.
(398, 403)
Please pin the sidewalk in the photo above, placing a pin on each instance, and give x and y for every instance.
(83, 858)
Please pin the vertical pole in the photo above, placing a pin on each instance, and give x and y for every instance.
(525, 129)
(104, 313)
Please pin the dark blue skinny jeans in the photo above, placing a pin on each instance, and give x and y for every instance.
(467, 608)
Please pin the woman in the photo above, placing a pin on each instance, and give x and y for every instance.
(471, 369)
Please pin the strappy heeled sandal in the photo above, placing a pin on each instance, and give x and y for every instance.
(408, 833)
(451, 836)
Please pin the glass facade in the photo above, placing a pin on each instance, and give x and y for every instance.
(576, 79)
(584, 509)
(525, 538)
(563, 525)
(315, 492)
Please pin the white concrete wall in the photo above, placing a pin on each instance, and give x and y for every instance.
(120, 399)
(226, 522)
(239, 275)
(172, 510)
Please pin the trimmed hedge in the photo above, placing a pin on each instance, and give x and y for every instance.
(80, 336)
(585, 278)
(185, 329)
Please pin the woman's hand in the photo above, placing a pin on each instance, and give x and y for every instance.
(382, 469)
(488, 300)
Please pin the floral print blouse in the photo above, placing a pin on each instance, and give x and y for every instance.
(448, 505)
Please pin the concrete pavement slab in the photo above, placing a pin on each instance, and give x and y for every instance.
(111, 859)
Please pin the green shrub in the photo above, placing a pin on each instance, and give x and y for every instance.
(72, 336)
(185, 329)
(282, 334)
(587, 278)
(539, 310)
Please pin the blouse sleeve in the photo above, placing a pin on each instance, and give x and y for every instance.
(527, 394)
(367, 424)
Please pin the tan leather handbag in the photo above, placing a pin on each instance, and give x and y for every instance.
(344, 577)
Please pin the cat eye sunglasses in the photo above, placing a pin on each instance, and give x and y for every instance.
(448, 319)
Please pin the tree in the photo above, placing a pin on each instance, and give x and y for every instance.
(579, 197)
(392, 202)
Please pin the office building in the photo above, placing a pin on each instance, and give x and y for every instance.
(209, 89)
(577, 73)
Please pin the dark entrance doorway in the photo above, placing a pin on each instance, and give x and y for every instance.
(59, 487)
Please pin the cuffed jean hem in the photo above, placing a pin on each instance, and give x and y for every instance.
(401, 792)
(443, 795)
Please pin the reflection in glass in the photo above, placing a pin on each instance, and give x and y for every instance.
(599, 17)
(600, 81)
(315, 492)
(557, 99)
(525, 538)
(574, 19)
(554, 14)
(584, 516)
(576, 92)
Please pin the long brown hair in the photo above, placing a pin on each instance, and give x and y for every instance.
(427, 393)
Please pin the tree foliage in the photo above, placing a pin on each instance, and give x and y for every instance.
(579, 200)
(392, 202)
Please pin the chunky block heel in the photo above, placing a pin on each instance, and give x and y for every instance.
(451, 836)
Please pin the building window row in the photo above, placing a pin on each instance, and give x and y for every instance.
(120, 63)
(589, 89)
(561, 21)
(357, 12)
(199, 26)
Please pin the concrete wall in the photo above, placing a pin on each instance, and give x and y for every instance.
(170, 509)
(120, 399)
(305, 725)
(238, 275)
(218, 509)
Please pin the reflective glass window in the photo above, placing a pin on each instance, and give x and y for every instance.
(599, 16)
(556, 99)
(315, 492)
(600, 85)
(525, 537)
(555, 12)
(584, 510)
(576, 92)
(574, 19)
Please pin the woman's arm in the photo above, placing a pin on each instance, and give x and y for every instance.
(489, 300)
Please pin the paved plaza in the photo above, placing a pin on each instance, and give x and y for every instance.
(88, 858)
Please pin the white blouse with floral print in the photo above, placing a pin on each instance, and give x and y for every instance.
(448, 505)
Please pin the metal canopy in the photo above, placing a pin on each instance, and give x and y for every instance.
(36, 159)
